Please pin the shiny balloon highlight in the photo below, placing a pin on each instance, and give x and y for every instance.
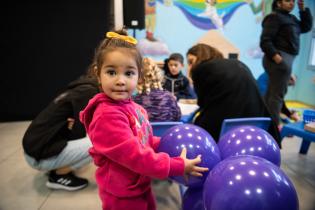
(249, 140)
(248, 182)
(197, 141)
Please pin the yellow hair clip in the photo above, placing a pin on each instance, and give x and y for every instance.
(123, 37)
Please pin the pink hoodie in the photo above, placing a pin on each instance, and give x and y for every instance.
(123, 147)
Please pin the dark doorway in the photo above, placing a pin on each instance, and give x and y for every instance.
(45, 45)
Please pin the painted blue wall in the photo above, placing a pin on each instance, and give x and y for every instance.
(304, 90)
(242, 30)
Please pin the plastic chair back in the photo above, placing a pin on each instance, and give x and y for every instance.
(260, 122)
(159, 128)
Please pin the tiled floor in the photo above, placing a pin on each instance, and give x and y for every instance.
(21, 187)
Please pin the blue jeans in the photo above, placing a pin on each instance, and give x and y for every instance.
(74, 155)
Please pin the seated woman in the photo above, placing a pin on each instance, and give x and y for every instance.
(225, 89)
(160, 104)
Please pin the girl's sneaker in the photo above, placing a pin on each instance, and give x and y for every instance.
(67, 181)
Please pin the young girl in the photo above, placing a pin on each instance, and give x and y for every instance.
(280, 41)
(123, 145)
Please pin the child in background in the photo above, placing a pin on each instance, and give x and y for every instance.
(175, 81)
(123, 145)
(160, 104)
(280, 41)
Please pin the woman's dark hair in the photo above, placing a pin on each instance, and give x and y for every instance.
(204, 52)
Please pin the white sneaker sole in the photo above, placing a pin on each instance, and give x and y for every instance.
(62, 187)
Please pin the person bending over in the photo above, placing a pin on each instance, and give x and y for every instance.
(56, 140)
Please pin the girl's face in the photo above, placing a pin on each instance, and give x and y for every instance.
(287, 5)
(119, 75)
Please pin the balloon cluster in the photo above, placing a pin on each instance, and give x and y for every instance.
(243, 174)
(197, 141)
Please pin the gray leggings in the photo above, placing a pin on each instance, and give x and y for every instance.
(279, 76)
(74, 155)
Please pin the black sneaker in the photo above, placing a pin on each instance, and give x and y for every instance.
(67, 181)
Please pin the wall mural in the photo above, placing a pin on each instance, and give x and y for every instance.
(209, 14)
(233, 26)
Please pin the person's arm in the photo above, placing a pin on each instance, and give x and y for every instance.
(155, 139)
(306, 22)
(80, 97)
(269, 33)
(113, 137)
(186, 92)
(155, 142)
(285, 110)
(292, 80)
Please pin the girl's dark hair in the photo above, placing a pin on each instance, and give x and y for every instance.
(111, 44)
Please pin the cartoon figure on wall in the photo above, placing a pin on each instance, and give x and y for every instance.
(264, 7)
(151, 45)
(203, 14)
(211, 12)
(150, 19)
(198, 12)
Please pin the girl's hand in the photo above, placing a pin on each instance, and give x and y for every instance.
(191, 167)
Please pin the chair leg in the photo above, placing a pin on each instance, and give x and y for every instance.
(304, 147)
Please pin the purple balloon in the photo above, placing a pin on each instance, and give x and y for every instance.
(250, 140)
(197, 141)
(248, 182)
(192, 199)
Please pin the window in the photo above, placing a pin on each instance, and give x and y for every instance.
(311, 62)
